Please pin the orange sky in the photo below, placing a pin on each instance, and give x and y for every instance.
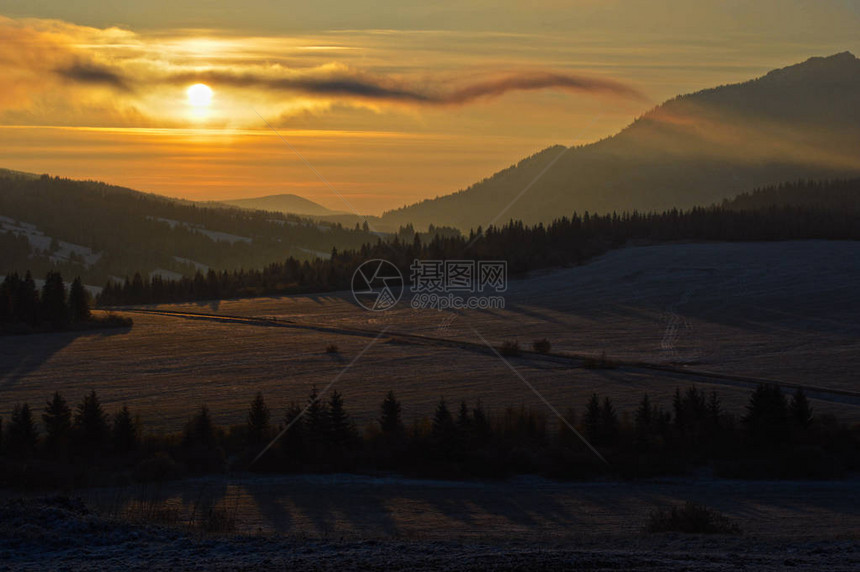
(389, 107)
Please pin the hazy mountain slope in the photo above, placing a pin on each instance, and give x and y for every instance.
(97, 231)
(285, 203)
(802, 121)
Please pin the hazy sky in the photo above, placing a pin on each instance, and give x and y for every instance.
(391, 102)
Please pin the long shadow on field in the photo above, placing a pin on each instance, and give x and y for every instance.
(404, 509)
(21, 355)
(329, 510)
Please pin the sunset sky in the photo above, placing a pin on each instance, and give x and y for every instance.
(391, 102)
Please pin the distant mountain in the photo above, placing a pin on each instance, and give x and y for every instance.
(799, 122)
(102, 232)
(284, 203)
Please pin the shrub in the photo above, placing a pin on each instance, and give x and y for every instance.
(692, 518)
(510, 348)
(542, 346)
(601, 362)
(332, 349)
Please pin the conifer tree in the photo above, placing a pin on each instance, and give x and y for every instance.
(342, 429)
(444, 429)
(53, 305)
(609, 422)
(593, 420)
(390, 420)
(800, 410)
(125, 432)
(21, 434)
(57, 419)
(79, 302)
(258, 421)
(90, 428)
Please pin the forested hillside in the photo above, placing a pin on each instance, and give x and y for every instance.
(101, 232)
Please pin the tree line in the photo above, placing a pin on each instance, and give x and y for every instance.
(23, 305)
(775, 436)
(567, 241)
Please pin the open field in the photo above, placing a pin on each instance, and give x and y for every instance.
(785, 311)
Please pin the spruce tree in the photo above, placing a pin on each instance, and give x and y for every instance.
(292, 444)
(341, 428)
(26, 303)
(125, 432)
(593, 420)
(609, 422)
(258, 421)
(54, 307)
(766, 420)
(79, 302)
(444, 429)
(800, 411)
(316, 424)
(464, 420)
(8, 289)
(481, 428)
(201, 450)
(91, 428)
(200, 430)
(390, 420)
(21, 433)
(644, 421)
(57, 419)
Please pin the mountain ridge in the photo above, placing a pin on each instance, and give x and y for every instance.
(799, 121)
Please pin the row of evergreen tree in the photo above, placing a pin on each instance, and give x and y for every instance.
(85, 434)
(775, 436)
(566, 241)
(22, 303)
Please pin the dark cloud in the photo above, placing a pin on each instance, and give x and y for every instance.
(348, 84)
(343, 84)
(94, 74)
(356, 85)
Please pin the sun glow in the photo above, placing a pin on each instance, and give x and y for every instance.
(199, 95)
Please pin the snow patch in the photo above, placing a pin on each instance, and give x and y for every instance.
(40, 241)
(197, 265)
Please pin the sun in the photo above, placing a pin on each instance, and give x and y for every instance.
(199, 95)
